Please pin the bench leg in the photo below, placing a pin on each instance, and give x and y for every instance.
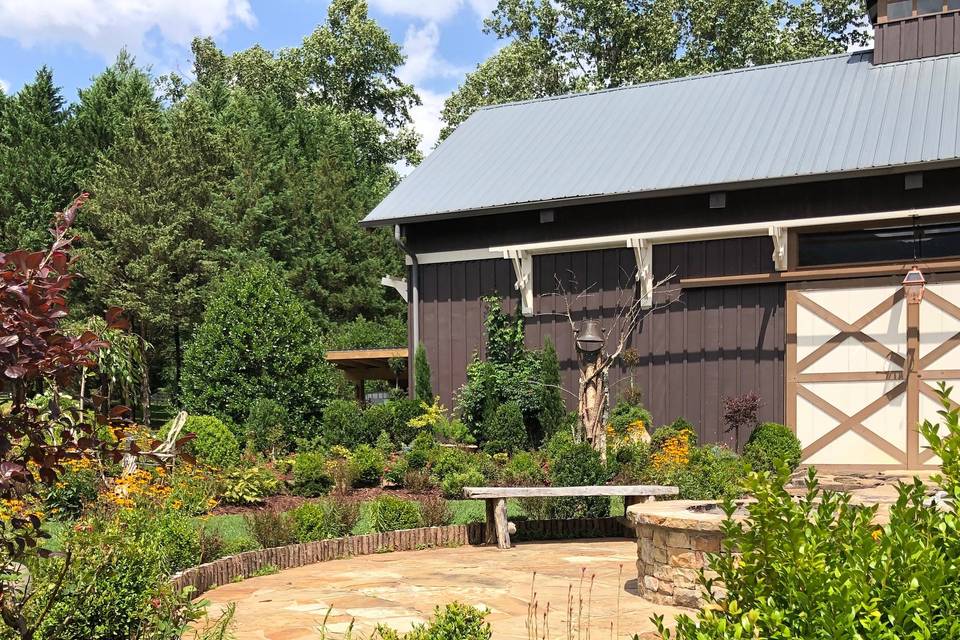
(491, 528)
(500, 517)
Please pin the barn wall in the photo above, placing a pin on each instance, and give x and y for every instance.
(919, 37)
(709, 344)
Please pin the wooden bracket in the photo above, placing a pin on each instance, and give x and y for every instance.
(643, 252)
(523, 269)
(398, 284)
(780, 244)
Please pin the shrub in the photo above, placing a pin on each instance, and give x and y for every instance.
(421, 450)
(666, 432)
(576, 464)
(628, 422)
(367, 466)
(630, 463)
(504, 430)
(343, 424)
(311, 477)
(271, 528)
(422, 385)
(214, 443)
(449, 460)
(769, 443)
(713, 472)
(454, 622)
(267, 426)
(741, 412)
(388, 513)
(380, 419)
(318, 521)
(524, 469)
(553, 411)
(346, 510)
(417, 481)
(249, 486)
(434, 511)
(76, 487)
(258, 340)
(404, 410)
(383, 444)
(452, 486)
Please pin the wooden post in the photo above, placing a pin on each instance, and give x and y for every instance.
(490, 532)
(361, 393)
(500, 516)
(912, 371)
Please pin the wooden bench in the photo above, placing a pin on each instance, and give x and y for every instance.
(496, 499)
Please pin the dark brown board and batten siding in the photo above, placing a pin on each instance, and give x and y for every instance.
(710, 344)
(918, 37)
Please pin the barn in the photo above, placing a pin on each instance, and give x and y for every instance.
(788, 203)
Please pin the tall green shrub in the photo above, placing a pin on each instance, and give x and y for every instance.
(267, 426)
(257, 340)
(769, 443)
(504, 431)
(553, 411)
(343, 424)
(423, 388)
(213, 442)
(576, 464)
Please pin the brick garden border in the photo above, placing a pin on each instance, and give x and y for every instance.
(223, 571)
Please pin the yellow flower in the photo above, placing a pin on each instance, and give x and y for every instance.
(877, 534)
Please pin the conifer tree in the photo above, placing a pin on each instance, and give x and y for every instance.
(422, 387)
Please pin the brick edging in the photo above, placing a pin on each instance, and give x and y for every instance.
(244, 565)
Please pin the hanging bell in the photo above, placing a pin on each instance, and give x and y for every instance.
(590, 336)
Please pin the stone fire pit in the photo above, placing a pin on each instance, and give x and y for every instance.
(673, 538)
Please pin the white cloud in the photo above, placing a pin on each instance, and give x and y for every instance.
(104, 26)
(426, 118)
(420, 46)
(433, 10)
(4, 86)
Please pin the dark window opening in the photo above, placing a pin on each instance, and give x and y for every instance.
(896, 244)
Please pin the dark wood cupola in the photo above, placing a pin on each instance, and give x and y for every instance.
(910, 29)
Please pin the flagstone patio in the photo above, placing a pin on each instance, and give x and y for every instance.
(401, 589)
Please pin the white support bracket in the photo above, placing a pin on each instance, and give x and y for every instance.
(398, 284)
(523, 268)
(643, 252)
(780, 244)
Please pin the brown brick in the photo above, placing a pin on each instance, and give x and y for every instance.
(678, 539)
(689, 598)
(710, 544)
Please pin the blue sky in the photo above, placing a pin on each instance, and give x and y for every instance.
(442, 39)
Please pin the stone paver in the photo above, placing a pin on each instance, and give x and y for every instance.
(401, 589)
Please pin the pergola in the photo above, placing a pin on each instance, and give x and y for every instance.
(360, 365)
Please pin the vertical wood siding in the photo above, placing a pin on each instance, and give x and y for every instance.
(920, 37)
(712, 343)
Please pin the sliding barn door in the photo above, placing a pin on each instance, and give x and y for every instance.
(862, 365)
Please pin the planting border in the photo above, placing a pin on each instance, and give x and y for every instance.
(223, 571)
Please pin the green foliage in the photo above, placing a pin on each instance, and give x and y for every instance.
(553, 48)
(524, 469)
(504, 431)
(267, 426)
(318, 521)
(214, 443)
(510, 373)
(257, 340)
(383, 444)
(271, 528)
(361, 333)
(311, 474)
(818, 566)
(344, 424)
(249, 485)
(422, 386)
(553, 411)
(404, 410)
(76, 487)
(573, 464)
(769, 443)
(452, 485)
(669, 431)
(388, 513)
(629, 463)
(434, 511)
(368, 464)
(454, 622)
(625, 414)
(713, 472)
(421, 451)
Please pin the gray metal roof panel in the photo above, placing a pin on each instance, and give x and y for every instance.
(839, 114)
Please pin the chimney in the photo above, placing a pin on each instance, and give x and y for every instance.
(911, 29)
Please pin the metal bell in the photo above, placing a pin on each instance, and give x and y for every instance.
(590, 336)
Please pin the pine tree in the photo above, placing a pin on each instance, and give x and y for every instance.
(553, 410)
(422, 388)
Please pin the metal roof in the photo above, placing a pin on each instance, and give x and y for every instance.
(833, 115)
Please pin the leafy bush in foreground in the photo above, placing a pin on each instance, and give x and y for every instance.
(818, 567)
(454, 622)
(392, 514)
(214, 443)
(311, 476)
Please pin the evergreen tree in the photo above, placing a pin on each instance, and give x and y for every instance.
(552, 408)
(35, 170)
(422, 388)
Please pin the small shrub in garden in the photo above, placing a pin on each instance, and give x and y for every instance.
(454, 622)
(340, 466)
(712, 472)
(384, 444)
(574, 464)
(310, 475)
(630, 463)
(449, 460)
(346, 510)
(434, 511)
(194, 490)
(343, 424)
(504, 431)
(76, 487)
(211, 544)
(380, 419)
(668, 431)
(404, 410)
(524, 469)
(271, 528)
(317, 521)
(388, 513)
(249, 485)
(417, 480)
(628, 422)
(769, 443)
(452, 486)
(267, 426)
(367, 466)
(214, 443)
(421, 450)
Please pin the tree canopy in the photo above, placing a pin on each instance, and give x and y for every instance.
(560, 46)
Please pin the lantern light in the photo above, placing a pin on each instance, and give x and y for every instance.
(590, 336)
(913, 285)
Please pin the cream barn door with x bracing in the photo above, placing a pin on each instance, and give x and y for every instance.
(862, 366)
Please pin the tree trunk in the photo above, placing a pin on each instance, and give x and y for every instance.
(592, 399)
(177, 360)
